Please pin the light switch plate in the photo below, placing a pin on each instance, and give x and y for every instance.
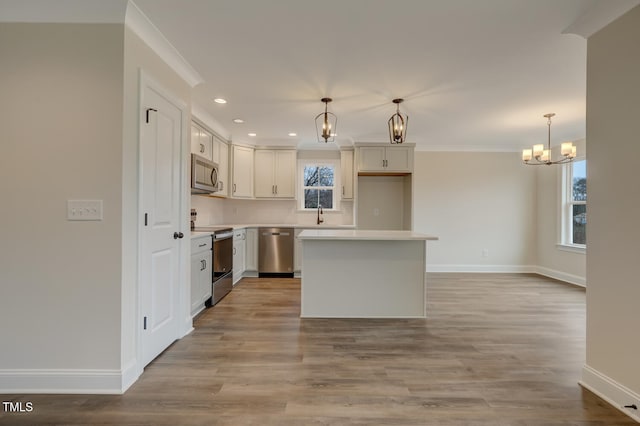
(84, 209)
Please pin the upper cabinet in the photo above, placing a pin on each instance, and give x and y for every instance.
(385, 159)
(201, 141)
(221, 157)
(242, 172)
(275, 173)
(346, 173)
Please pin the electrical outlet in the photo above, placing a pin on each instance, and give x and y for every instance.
(84, 209)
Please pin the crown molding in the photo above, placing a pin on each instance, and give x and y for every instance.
(599, 16)
(151, 35)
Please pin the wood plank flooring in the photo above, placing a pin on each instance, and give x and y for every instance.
(494, 350)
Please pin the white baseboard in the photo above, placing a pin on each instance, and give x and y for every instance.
(611, 391)
(66, 381)
(130, 374)
(502, 269)
(511, 269)
(562, 276)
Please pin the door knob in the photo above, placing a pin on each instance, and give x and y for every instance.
(177, 235)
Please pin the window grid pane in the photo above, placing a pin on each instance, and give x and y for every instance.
(318, 186)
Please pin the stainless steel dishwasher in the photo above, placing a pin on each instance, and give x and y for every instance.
(275, 252)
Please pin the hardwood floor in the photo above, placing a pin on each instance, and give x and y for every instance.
(494, 350)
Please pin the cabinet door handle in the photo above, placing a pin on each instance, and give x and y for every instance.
(276, 189)
(342, 189)
(201, 147)
(234, 188)
(234, 251)
(202, 245)
(205, 264)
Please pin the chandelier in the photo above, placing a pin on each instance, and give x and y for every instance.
(326, 123)
(398, 124)
(543, 156)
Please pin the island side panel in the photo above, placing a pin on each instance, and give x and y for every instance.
(363, 279)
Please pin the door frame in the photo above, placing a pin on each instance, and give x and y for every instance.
(183, 312)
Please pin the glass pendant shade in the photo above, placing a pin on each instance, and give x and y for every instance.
(398, 124)
(326, 123)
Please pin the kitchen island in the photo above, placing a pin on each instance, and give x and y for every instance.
(363, 274)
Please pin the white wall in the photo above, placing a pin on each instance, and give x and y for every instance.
(61, 121)
(381, 202)
(552, 260)
(476, 203)
(613, 292)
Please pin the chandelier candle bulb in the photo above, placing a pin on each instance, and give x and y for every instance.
(545, 155)
(527, 155)
(538, 150)
(574, 152)
(566, 148)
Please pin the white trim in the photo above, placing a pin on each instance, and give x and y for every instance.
(337, 183)
(199, 114)
(151, 35)
(572, 248)
(465, 148)
(185, 325)
(611, 391)
(63, 381)
(599, 16)
(504, 269)
(130, 374)
(562, 276)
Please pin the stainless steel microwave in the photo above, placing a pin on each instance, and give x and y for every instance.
(204, 175)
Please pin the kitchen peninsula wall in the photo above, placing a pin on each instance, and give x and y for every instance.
(215, 211)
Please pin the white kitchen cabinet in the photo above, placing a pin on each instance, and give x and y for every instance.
(387, 159)
(201, 272)
(242, 171)
(221, 157)
(251, 250)
(239, 248)
(346, 174)
(275, 173)
(201, 141)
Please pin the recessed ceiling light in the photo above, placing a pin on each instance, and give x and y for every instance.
(220, 101)
(238, 120)
(253, 135)
(293, 134)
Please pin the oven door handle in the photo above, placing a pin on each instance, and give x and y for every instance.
(225, 236)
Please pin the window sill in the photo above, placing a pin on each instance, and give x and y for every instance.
(315, 211)
(572, 248)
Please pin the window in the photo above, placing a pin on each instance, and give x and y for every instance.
(318, 186)
(574, 213)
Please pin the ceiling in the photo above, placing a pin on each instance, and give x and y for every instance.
(475, 75)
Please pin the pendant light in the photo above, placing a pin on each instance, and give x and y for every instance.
(543, 156)
(398, 124)
(326, 123)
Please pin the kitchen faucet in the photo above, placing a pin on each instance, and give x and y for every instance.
(320, 219)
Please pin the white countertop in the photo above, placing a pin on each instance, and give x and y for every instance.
(361, 234)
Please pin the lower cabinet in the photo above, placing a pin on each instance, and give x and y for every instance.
(251, 252)
(239, 248)
(201, 272)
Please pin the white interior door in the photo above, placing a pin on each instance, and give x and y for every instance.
(160, 144)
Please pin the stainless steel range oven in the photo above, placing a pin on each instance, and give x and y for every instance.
(222, 264)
